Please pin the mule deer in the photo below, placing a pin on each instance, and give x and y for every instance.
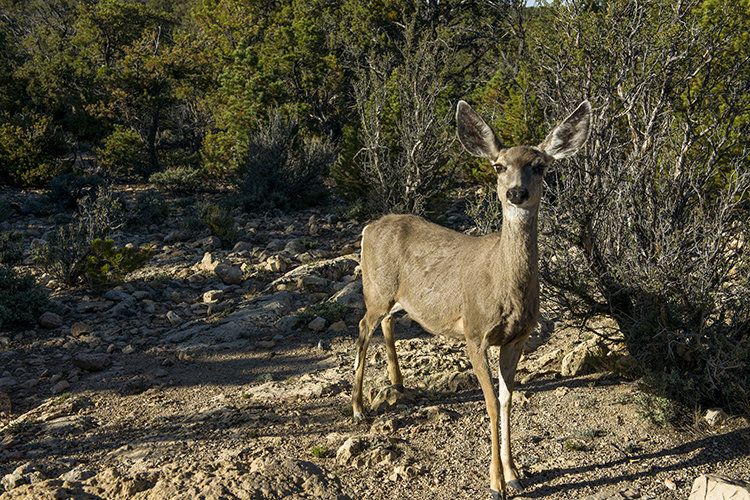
(482, 289)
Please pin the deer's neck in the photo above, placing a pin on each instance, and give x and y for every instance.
(517, 256)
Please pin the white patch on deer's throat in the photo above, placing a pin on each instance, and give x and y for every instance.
(513, 212)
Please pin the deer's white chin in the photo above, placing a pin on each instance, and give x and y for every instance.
(514, 212)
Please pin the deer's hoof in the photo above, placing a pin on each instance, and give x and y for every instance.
(359, 417)
(398, 387)
(516, 484)
(498, 495)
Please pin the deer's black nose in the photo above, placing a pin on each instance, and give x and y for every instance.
(517, 195)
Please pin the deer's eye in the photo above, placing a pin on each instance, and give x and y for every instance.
(537, 167)
(499, 168)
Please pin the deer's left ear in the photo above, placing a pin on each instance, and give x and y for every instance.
(568, 137)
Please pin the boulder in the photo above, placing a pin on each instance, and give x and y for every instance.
(50, 320)
(213, 296)
(317, 325)
(229, 275)
(716, 417)
(92, 362)
(580, 359)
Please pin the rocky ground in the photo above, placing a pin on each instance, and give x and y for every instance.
(199, 378)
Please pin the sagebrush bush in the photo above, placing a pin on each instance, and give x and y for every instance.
(65, 254)
(178, 179)
(122, 154)
(21, 301)
(220, 223)
(11, 247)
(330, 311)
(649, 222)
(66, 189)
(108, 264)
(283, 169)
(150, 208)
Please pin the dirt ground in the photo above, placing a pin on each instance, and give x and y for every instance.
(266, 413)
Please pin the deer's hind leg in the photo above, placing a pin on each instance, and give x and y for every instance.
(367, 327)
(394, 372)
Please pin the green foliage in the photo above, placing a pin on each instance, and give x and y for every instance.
(108, 264)
(11, 247)
(319, 451)
(150, 208)
(65, 255)
(178, 179)
(330, 311)
(282, 168)
(654, 409)
(6, 210)
(17, 428)
(220, 223)
(21, 301)
(66, 189)
(122, 154)
(28, 147)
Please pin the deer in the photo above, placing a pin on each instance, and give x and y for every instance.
(483, 290)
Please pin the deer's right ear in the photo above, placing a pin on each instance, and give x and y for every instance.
(474, 133)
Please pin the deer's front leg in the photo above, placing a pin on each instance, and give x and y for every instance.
(509, 356)
(478, 357)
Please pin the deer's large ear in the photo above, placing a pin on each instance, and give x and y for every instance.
(474, 133)
(568, 137)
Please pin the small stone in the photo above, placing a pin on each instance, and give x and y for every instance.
(402, 472)
(117, 296)
(59, 387)
(207, 263)
(8, 382)
(710, 486)
(275, 264)
(149, 306)
(210, 243)
(80, 328)
(176, 235)
(79, 473)
(338, 327)
(578, 360)
(437, 414)
(351, 448)
(288, 323)
(5, 405)
(50, 320)
(173, 318)
(313, 284)
(670, 484)
(128, 349)
(229, 275)
(265, 344)
(716, 417)
(23, 474)
(213, 296)
(317, 325)
(92, 362)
